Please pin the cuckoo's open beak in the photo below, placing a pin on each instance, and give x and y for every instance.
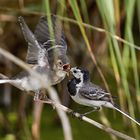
(67, 68)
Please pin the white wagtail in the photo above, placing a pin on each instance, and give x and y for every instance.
(86, 93)
(48, 61)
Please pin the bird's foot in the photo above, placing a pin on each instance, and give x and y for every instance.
(40, 96)
(36, 97)
(81, 117)
(75, 114)
(43, 97)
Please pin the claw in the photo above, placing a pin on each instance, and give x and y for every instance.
(36, 97)
(73, 113)
(81, 117)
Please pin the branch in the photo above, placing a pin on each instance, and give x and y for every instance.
(61, 113)
(57, 104)
(63, 117)
(88, 120)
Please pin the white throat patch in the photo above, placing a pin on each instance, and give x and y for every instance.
(78, 86)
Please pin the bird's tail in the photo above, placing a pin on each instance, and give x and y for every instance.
(116, 107)
(4, 79)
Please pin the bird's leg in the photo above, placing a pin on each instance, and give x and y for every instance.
(81, 115)
(93, 110)
(77, 110)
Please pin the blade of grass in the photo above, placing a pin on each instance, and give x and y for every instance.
(76, 12)
(138, 12)
(50, 25)
(62, 115)
(17, 11)
(85, 14)
(130, 6)
(107, 12)
(61, 7)
(84, 11)
(122, 100)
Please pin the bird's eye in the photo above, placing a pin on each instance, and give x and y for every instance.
(60, 63)
(74, 71)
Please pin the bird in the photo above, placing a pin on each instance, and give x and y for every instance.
(84, 92)
(46, 56)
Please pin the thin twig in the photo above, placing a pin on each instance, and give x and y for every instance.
(62, 115)
(88, 120)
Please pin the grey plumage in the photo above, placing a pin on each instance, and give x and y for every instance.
(57, 42)
(86, 93)
(36, 54)
(42, 33)
(41, 55)
(94, 92)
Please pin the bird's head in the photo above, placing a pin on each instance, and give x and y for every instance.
(61, 66)
(59, 61)
(80, 73)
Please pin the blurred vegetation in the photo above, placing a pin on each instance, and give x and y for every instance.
(113, 64)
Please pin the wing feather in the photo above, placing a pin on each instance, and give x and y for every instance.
(95, 93)
(42, 33)
(35, 54)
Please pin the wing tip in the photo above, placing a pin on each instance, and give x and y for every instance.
(44, 17)
(20, 19)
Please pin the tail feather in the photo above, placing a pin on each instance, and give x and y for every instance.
(2, 81)
(126, 114)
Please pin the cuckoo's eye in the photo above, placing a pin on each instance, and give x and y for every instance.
(59, 62)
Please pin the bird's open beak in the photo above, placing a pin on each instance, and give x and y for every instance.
(67, 68)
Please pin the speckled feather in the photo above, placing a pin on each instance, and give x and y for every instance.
(42, 33)
(36, 54)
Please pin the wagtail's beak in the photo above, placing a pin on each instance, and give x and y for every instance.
(71, 70)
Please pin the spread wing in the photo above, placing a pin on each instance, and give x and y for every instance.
(42, 34)
(35, 54)
(93, 92)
